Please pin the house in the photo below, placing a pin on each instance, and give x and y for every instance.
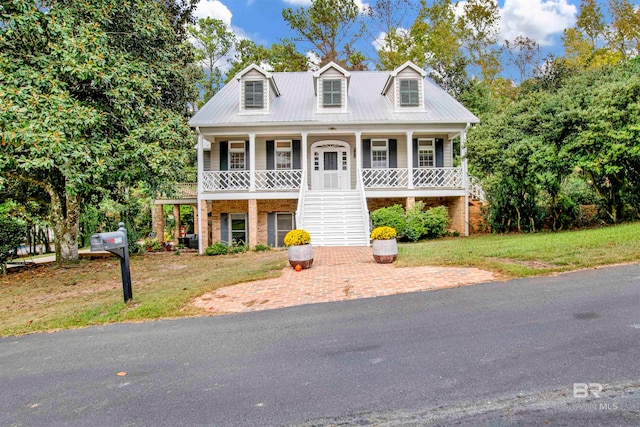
(320, 150)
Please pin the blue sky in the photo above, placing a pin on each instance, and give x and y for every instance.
(261, 20)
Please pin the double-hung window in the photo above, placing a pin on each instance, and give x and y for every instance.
(284, 224)
(332, 93)
(283, 155)
(238, 229)
(379, 154)
(237, 159)
(253, 94)
(426, 153)
(409, 96)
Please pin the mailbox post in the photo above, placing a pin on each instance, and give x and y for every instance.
(116, 243)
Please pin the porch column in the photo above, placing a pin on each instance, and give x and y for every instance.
(160, 223)
(252, 162)
(303, 159)
(465, 177)
(200, 163)
(359, 155)
(410, 160)
(176, 218)
(195, 219)
(253, 223)
(203, 237)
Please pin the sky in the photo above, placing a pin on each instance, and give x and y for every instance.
(261, 20)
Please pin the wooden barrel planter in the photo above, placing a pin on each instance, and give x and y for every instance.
(385, 251)
(301, 255)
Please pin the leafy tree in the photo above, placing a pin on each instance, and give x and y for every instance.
(213, 42)
(332, 27)
(624, 31)
(524, 54)
(385, 30)
(94, 99)
(13, 233)
(480, 26)
(279, 57)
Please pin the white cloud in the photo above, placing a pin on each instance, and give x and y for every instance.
(380, 42)
(214, 9)
(361, 5)
(538, 19)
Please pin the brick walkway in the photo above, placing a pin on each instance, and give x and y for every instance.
(337, 274)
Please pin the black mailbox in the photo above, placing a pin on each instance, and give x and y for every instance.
(116, 243)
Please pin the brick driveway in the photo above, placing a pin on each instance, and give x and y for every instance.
(337, 274)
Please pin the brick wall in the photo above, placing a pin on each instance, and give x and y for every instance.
(266, 206)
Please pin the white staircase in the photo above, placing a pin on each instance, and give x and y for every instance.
(335, 218)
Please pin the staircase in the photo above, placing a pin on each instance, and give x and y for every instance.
(335, 218)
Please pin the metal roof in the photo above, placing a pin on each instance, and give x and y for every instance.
(297, 104)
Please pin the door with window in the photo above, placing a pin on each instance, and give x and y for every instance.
(331, 168)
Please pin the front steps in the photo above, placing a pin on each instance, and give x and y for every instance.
(335, 218)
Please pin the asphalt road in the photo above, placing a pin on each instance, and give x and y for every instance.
(492, 354)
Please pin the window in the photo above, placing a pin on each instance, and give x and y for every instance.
(283, 154)
(426, 153)
(238, 229)
(409, 96)
(379, 154)
(332, 93)
(284, 224)
(253, 94)
(236, 155)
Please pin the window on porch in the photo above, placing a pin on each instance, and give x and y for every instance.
(237, 160)
(238, 229)
(283, 155)
(426, 152)
(284, 224)
(379, 154)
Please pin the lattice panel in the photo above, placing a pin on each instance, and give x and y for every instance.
(475, 189)
(385, 178)
(225, 180)
(278, 179)
(437, 177)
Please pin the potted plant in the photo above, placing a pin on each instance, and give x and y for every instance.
(385, 246)
(298, 244)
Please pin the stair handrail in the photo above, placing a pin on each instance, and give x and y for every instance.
(363, 205)
(301, 197)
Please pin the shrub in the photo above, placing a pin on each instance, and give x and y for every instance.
(297, 237)
(13, 233)
(262, 248)
(436, 222)
(238, 249)
(392, 216)
(383, 233)
(218, 248)
(416, 222)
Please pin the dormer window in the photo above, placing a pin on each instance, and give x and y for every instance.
(409, 95)
(332, 93)
(253, 94)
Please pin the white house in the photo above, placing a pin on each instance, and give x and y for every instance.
(319, 151)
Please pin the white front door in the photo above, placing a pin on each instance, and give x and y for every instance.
(331, 169)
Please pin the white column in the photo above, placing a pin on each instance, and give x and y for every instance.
(358, 154)
(304, 158)
(465, 178)
(200, 177)
(252, 162)
(410, 159)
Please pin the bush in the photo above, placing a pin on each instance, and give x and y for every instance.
(262, 248)
(238, 249)
(392, 216)
(436, 222)
(416, 222)
(218, 248)
(13, 233)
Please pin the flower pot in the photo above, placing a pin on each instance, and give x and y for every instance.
(302, 255)
(385, 251)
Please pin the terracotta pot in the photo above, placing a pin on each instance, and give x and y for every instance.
(385, 251)
(302, 255)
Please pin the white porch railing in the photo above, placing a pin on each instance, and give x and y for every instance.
(363, 205)
(422, 178)
(475, 189)
(241, 180)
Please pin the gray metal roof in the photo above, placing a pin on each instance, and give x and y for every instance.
(296, 104)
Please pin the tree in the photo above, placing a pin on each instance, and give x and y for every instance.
(624, 31)
(279, 57)
(480, 26)
(332, 27)
(386, 32)
(213, 41)
(524, 54)
(94, 100)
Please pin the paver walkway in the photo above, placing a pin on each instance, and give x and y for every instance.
(337, 274)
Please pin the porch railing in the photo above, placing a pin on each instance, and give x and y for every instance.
(422, 178)
(241, 180)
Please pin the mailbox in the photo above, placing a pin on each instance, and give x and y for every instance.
(116, 242)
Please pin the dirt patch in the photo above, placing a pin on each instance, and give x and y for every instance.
(538, 265)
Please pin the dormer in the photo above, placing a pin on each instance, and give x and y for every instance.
(405, 88)
(331, 84)
(257, 90)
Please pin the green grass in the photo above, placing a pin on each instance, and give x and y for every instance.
(521, 255)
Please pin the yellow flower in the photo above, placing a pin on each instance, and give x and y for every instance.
(383, 233)
(297, 238)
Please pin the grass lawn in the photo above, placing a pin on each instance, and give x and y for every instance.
(521, 255)
(48, 297)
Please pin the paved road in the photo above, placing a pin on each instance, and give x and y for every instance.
(491, 354)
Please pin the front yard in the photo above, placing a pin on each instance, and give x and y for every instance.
(47, 297)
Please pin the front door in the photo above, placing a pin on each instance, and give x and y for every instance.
(330, 167)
